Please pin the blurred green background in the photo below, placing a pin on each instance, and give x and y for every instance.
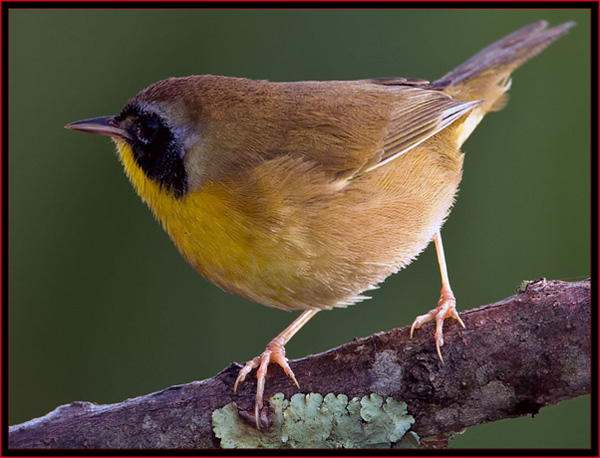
(102, 307)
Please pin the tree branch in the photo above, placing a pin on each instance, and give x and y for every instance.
(514, 357)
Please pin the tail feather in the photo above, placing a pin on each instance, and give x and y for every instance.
(504, 56)
(486, 76)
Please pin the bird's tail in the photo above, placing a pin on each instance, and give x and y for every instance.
(486, 75)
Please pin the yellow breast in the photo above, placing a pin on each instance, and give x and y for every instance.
(214, 231)
(285, 235)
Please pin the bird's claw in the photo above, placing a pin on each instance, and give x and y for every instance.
(275, 352)
(446, 308)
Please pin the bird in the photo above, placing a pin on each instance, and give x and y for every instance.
(305, 195)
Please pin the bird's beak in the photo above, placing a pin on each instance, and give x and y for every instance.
(100, 126)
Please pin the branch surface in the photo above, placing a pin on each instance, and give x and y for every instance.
(514, 357)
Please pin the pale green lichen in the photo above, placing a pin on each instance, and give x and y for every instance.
(523, 286)
(311, 421)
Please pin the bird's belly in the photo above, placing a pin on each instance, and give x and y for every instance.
(304, 245)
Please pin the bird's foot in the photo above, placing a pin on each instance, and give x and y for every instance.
(446, 308)
(275, 352)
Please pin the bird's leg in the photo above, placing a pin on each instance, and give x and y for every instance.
(446, 307)
(274, 352)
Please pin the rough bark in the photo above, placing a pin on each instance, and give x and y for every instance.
(514, 357)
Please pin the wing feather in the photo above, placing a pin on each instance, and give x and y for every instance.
(418, 115)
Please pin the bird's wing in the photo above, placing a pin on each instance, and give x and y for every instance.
(418, 114)
(346, 128)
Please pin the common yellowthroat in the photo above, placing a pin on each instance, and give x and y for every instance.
(301, 196)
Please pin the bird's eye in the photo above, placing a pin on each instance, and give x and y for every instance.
(147, 128)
